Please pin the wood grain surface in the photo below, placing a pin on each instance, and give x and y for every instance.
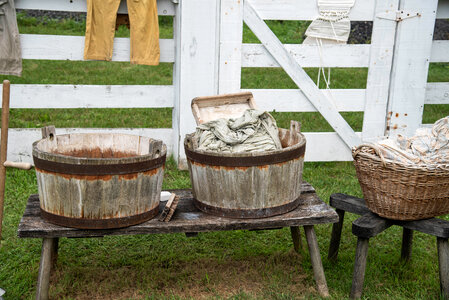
(187, 218)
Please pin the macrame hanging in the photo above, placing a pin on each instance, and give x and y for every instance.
(333, 23)
(331, 27)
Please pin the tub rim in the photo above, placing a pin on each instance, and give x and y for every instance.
(246, 159)
(66, 164)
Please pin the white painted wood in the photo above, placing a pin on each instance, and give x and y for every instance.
(20, 140)
(380, 64)
(437, 93)
(410, 68)
(440, 50)
(90, 96)
(208, 47)
(231, 32)
(145, 96)
(326, 146)
(338, 55)
(66, 47)
(299, 76)
(176, 113)
(164, 7)
(443, 9)
(321, 146)
(283, 100)
(196, 67)
(307, 10)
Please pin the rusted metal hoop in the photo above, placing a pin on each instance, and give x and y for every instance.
(83, 223)
(245, 161)
(98, 170)
(247, 213)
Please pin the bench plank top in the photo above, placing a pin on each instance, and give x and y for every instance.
(187, 218)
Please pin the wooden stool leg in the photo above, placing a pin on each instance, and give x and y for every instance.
(54, 252)
(359, 268)
(336, 236)
(43, 279)
(315, 257)
(443, 260)
(407, 241)
(191, 234)
(296, 237)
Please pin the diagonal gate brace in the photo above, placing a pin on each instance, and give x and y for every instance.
(299, 76)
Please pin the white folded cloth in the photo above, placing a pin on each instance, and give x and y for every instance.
(254, 131)
(427, 146)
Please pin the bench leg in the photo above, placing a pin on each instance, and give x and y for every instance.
(54, 252)
(43, 279)
(336, 236)
(315, 257)
(296, 237)
(407, 241)
(358, 276)
(191, 234)
(443, 260)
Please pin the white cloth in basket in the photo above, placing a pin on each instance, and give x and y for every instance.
(427, 146)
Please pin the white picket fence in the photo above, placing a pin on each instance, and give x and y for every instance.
(208, 55)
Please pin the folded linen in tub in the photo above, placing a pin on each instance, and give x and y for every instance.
(254, 131)
(427, 146)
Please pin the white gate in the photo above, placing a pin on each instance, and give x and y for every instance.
(397, 60)
(208, 55)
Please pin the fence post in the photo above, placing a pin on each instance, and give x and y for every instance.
(410, 66)
(379, 70)
(196, 58)
(231, 32)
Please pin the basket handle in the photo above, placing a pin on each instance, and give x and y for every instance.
(358, 149)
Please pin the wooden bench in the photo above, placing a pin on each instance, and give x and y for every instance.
(370, 225)
(187, 219)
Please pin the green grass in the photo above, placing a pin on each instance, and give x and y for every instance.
(276, 78)
(221, 265)
(44, 25)
(95, 72)
(92, 118)
(288, 32)
(92, 72)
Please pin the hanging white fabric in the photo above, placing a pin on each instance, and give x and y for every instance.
(333, 22)
(331, 27)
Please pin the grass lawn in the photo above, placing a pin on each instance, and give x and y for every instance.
(223, 265)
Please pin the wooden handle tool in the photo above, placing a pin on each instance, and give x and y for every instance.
(4, 146)
(17, 165)
(169, 208)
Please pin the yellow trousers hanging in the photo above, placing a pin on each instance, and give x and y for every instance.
(100, 29)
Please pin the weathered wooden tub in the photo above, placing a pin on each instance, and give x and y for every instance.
(98, 181)
(248, 185)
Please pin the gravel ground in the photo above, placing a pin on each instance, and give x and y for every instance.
(55, 15)
(360, 31)
(441, 31)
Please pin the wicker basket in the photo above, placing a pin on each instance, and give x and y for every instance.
(399, 191)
